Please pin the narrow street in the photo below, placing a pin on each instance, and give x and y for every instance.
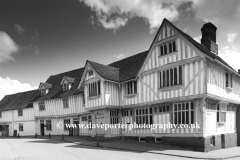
(38, 149)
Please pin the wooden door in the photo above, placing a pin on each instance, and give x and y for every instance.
(99, 129)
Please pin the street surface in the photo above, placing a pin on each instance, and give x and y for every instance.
(50, 149)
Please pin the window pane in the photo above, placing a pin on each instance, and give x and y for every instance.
(174, 46)
(135, 86)
(175, 117)
(170, 47)
(160, 109)
(161, 50)
(175, 107)
(167, 78)
(187, 117)
(179, 118)
(160, 79)
(164, 79)
(226, 79)
(192, 117)
(183, 117)
(171, 77)
(180, 74)
(165, 49)
(175, 76)
(164, 109)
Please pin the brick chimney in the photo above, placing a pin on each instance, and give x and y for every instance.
(209, 37)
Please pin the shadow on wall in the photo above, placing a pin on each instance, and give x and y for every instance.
(238, 125)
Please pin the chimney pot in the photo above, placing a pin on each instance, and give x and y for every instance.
(209, 37)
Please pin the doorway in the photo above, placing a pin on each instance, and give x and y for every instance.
(99, 121)
(42, 128)
(76, 126)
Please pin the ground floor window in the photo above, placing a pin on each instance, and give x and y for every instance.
(20, 125)
(162, 108)
(48, 125)
(90, 121)
(114, 117)
(144, 115)
(183, 113)
(66, 122)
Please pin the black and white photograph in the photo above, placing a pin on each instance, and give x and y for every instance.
(119, 79)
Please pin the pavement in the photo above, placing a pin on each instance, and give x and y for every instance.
(53, 149)
(152, 148)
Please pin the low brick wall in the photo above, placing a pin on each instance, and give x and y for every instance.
(202, 144)
(230, 140)
(193, 143)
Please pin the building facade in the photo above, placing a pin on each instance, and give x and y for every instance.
(177, 81)
(17, 114)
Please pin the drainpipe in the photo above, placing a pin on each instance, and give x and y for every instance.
(12, 122)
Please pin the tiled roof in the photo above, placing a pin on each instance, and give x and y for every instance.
(19, 100)
(201, 47)
(130, 66)
(57, 89)
(107, 72)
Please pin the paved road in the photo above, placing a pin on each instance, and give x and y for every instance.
(38, 149)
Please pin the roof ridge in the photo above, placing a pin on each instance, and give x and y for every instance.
(21, 92)
(67, 72)
(128, 57)
(103, 64)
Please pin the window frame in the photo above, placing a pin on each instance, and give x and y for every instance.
(66, 121)
(167, 48)
(188, 110)
(66, 87)
(20, 111)
(49, 125)
(167, 77)
(20, 127)
(43, 92)
(94, 89)
(0, 114)
(144, 115)
(65, 103)
(228, 80)
(114, 117)
(41, 105)
(131, 88)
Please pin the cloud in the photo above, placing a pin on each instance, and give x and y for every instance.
(119, 56)
(231, 37)
(198, 38)
(113, 14)
(19, 29)
(10, 86)
(7, 47)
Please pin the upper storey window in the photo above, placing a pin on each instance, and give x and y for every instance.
(67, 83)
(229, 80)
(167, 48)
(94, 89)
(170, 77)
(131, 87)
(45, 87)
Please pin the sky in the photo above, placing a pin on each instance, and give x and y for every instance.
(40, 38)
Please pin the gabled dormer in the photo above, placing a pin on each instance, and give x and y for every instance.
(44, 88)
(67, 83)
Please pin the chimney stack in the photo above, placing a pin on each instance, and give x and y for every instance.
(239, 71)
(209, 37)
